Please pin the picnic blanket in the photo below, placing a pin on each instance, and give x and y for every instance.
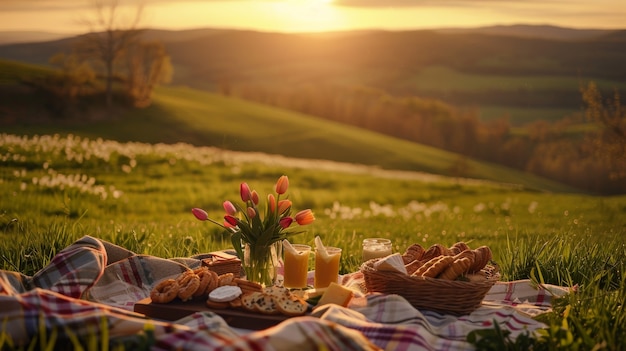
(92, 282)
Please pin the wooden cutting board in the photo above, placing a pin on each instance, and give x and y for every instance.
(235, 318)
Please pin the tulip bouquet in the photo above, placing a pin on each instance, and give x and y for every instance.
(257, 238)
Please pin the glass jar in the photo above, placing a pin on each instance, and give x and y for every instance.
(376, 248)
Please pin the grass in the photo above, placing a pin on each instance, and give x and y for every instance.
(441, 79)
(12, 71)
(206, 119)
(139, 196)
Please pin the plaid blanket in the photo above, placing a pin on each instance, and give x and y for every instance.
(93, 283)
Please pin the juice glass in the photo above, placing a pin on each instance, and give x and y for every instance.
(375, 248)
(296, 266)
(327, 268)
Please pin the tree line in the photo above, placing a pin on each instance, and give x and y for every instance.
(594, 160)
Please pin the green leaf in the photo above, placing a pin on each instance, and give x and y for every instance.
(236, 242)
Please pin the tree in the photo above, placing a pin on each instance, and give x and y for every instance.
(74, 77)
(147, 66)
(609, 142)
(110, 34)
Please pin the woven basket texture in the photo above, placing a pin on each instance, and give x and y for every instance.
(456, 297)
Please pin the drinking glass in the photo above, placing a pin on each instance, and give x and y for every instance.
(327, 268)
(296, 266)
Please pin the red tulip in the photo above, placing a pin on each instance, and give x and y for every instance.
(200, 214)
(229, 208)
(254, 196)
(282, 184)
(244, 191)
(285, 222)
(251, 212)
(231, 220)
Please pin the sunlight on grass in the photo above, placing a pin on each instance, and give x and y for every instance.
(139, 196)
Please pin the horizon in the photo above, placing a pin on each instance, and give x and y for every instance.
(67, 17)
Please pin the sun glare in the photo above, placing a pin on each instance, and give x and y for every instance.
(308, 15)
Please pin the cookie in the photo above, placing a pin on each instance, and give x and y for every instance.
(434, 251)
(469, 254)
(483, 256)
(188, 282)
(459, 247)
(413, 266)
(291, 307)
(442, 263)
(248, 286)
(217, 305)
(424, 266)
(226, 279)
(165, 291)
(266, 304)
(456, 269)
(248, 300)
(413, 253)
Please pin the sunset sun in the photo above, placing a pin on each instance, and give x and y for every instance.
(308, 15)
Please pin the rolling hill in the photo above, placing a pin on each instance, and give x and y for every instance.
(526, 72)
(181, 114)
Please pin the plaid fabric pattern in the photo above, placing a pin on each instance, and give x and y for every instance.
(93, 283)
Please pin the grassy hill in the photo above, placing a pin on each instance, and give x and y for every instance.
(526, 72)
(181, 114)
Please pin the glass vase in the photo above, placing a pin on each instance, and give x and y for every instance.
(261, 262)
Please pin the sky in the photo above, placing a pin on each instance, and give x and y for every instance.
(72, 16)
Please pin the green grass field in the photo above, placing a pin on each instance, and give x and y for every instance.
(128, 181)
(139, 196)
(206, 119)
(444, 80)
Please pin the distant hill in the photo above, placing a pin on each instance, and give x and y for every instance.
(12, 37)
(533, 31)
(525, 73)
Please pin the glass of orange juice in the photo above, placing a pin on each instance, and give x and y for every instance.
(326, 267)
(296, 266)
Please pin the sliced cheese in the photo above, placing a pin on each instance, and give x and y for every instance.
(336, 294)
(393, 263)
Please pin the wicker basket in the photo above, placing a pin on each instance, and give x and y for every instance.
(222, 262)
(446, 296)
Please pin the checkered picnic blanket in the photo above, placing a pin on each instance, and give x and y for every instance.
(92, 282)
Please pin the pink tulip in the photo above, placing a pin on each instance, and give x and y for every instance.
(285, 222)
(254, 196)
(305, 217)
(271, 200)
(231, 220)
(283, 205)
(228, 225)
(282, 184)
(251, 212)
(229, 208)
(200, 214)
(245, 192)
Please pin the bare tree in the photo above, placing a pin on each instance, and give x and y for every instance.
(110, 34)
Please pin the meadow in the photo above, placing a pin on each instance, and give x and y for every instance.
(55, 189)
